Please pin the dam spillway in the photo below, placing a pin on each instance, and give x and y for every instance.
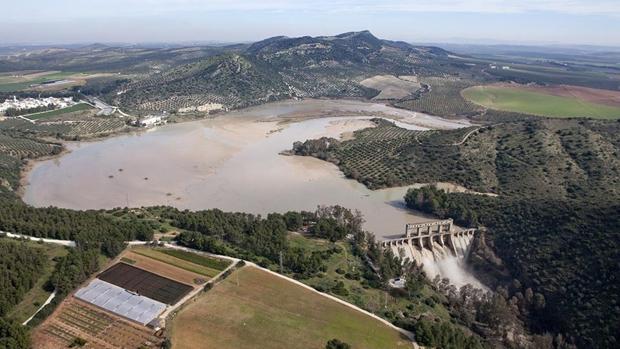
(431, 241)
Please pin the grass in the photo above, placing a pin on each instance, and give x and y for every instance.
(38, 295)
(371, 299)
(522, 101)
(57, 112)
(212, 263)
(255, 309)
(163, 255)
(10, 84)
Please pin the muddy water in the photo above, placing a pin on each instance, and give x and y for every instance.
(231, 162)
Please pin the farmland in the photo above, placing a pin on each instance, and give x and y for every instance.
(42, 80)
(521, 100)
(441, 96)
(58, 112)
(98, 328)
(145, 283)
(67, 125)
(185, 260)
(252, 308)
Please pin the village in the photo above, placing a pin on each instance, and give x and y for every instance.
(30, 103)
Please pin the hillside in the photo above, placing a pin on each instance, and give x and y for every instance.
(561, 159)
(281, 67)
(554, 224)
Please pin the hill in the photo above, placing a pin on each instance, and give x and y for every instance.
(281, 67)
(554, 223)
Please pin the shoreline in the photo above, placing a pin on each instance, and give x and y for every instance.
(312, 108)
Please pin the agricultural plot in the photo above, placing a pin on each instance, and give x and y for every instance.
(99, 329)
(387, 156)
(140, 260)
(521, 100)
(58, 112)
(24, 148)
(117, 300)
(67, 125)
(391, 87)
(145, 283)
(441, 96)
(255, 309)
(42, 80)
(194, 263)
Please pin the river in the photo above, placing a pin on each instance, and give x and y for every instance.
(230, 162)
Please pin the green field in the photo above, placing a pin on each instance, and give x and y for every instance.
(255, 309)
(10, 84)
(522, 101)
(187, 261)
(47, 114)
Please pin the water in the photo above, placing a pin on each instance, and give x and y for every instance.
(231, 162)
(442, 261)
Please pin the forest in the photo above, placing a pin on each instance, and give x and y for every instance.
(567, 250)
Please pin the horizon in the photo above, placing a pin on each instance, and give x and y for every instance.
(478, 22)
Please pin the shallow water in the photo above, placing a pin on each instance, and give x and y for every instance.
(231, 162)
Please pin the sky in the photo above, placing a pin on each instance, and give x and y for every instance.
(593, 22)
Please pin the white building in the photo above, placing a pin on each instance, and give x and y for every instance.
(28, 103)
(152, 120)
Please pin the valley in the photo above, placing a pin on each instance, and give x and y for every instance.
(369, 191)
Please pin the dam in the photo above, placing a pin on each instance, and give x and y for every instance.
(430, 242)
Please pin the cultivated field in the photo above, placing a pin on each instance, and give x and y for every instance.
(441, 96)
(58, 112)
(43, 80)
(145, 283)
(391, 87)
(255, 309)
(522, 100)
(138, 258)
(100, 329)
(196, 264)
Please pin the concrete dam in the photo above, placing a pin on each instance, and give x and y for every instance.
(439, 246)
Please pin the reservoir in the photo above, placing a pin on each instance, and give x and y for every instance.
(231, 162)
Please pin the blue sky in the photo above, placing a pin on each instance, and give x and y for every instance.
(594, 22)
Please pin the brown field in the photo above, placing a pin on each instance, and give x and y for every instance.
(255, 309)
(145, 283)
(101, 329)
(392, 87)
(593, 95)
(164, 269)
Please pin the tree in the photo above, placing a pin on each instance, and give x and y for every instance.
(337, 344)
(13, 335)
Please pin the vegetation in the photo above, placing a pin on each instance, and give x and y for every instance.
(13, 335)
(556, 178)
(18, 112)
(189, 262)
(558, 247)
(213, 263)
(337, 344)
(56, 112)
(441, 96)
(246, 309)
(519, 100)
(22, 266)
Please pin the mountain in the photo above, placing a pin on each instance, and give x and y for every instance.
(282, 67)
